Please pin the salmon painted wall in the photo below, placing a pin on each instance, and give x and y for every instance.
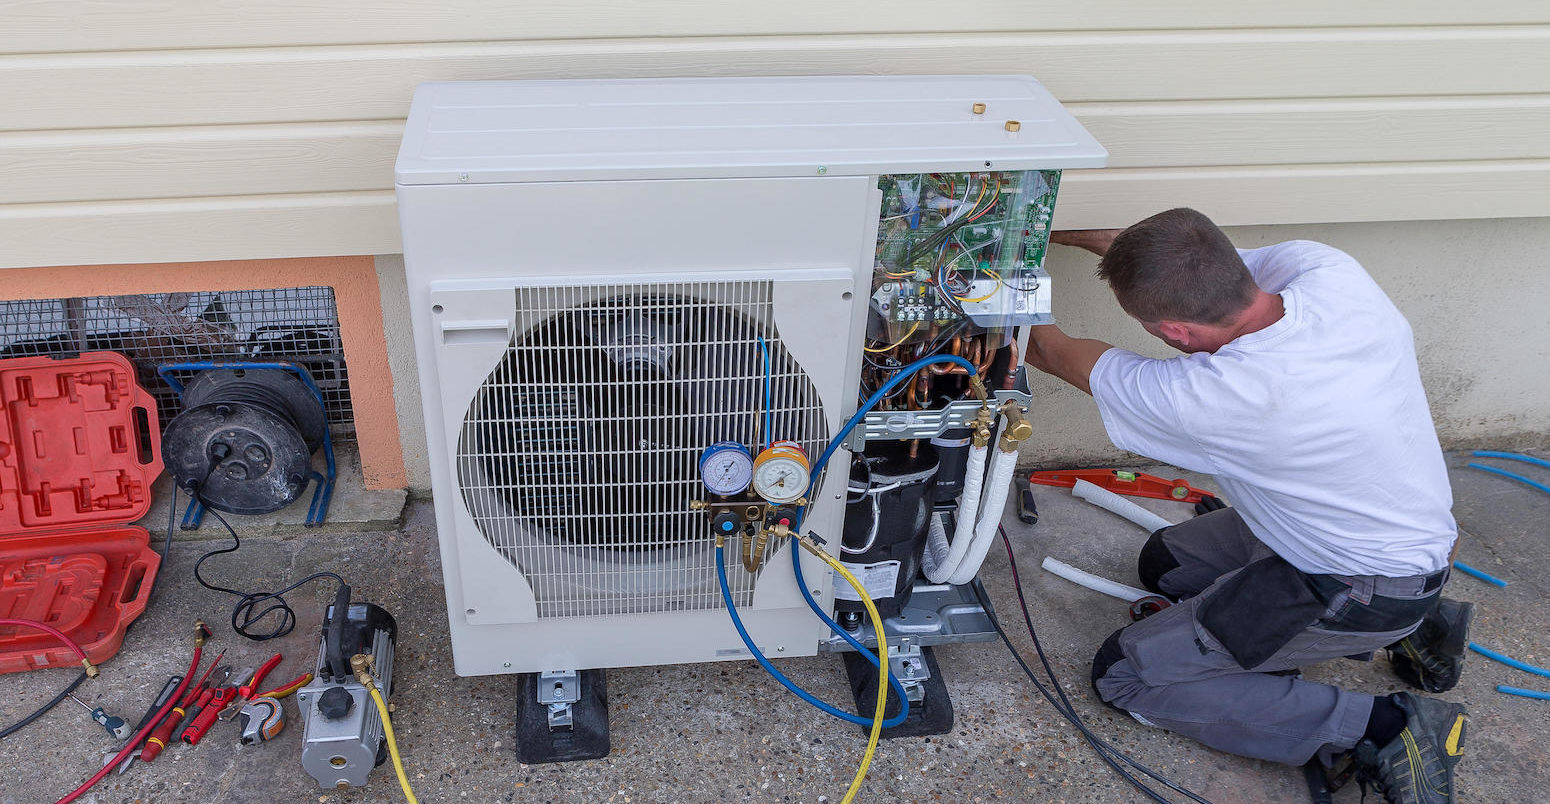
(354, 280)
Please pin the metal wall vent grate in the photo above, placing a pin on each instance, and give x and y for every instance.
(295, 324)
(578, 456)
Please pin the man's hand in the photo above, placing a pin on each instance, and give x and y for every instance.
(1095, 240)
(1071, 359)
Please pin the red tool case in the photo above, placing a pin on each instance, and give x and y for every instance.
(80, 446)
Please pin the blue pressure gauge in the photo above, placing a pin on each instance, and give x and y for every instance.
(726, 467)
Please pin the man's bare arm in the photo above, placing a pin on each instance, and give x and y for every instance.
(1071, 359)
(1095, 240)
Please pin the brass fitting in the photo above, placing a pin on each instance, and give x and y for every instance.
(983, 420)
(977, 386)
(754, 549)
(360, 664)
(91, 669)
(698, 505)
(1017, 429)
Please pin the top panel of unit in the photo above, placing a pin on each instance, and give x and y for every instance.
(522, 131)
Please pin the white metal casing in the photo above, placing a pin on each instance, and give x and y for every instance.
(570, 184)
(681, 128)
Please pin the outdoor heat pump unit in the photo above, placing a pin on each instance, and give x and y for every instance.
(610, 278)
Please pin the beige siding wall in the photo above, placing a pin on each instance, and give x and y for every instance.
(148, 130)
(1475, 293)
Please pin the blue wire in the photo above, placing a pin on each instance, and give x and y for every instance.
(1513, 456)
(1523, 693)
(764, 347)
(1468, 570)
(1509, 661)
(726, 597)
(1514, 475)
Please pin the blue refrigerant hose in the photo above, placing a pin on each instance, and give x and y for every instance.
(901, 376)
(1512, 456)
(737, 622)
(1508, 660)
(1523, 693)
(1484, 576)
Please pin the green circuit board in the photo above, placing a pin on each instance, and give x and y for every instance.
(955, 246)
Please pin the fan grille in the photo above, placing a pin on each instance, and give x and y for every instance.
(578, 456)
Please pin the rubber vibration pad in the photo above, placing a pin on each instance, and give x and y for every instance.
(933, 715)
(587, 738)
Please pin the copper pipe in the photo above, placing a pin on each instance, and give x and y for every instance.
(954, 347)
(987, 355)
(1011, 365)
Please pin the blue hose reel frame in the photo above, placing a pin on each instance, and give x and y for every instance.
(323, 488)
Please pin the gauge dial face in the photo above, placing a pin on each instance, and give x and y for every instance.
(781, 478)
(726, 470)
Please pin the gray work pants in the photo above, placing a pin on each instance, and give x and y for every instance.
(1171, 672)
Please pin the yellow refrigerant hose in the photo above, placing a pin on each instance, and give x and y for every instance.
(882, 666)
(387, 723)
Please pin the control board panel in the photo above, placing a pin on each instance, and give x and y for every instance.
(961, 250)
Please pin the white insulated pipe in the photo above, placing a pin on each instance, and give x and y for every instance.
(968, 510)
(1129, 594)
(1002, 465)
(1103, 498)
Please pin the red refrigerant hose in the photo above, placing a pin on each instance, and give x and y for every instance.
(150, 725)
(57, 634)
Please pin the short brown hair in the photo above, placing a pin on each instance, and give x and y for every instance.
(1177, 266)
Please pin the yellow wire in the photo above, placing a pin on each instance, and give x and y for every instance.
(387, 729)
(993, 291)
(896, 344)
(882, 669)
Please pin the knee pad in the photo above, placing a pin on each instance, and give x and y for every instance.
(1156, 560)
(1108, 654)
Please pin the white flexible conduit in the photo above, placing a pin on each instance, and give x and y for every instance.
(940, 567)
(1002, 465)
(1103, 498)
(1129, 594)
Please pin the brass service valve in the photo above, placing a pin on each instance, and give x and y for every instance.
(983, 421)
(1017, 429)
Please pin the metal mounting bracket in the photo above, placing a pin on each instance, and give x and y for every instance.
(908, 665)
(558, 689)
(896, 425)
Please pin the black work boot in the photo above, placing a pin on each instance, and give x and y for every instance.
(1432, 657)
(1417, 766)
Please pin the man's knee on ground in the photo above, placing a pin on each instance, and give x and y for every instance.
(1109, 654)
(1156, 560)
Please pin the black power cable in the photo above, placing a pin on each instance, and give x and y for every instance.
(1106, 751)
(44, 709)
(243, 616)
(1022, 602)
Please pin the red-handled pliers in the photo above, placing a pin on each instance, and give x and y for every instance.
(249, 691)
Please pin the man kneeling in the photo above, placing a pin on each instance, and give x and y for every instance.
(1299, 391)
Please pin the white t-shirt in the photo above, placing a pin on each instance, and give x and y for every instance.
(1316, 427)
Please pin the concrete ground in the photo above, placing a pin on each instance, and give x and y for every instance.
(726, 732)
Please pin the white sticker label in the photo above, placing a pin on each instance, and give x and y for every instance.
(880, 580)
